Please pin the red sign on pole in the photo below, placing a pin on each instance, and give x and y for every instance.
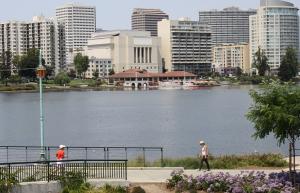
(41, 72)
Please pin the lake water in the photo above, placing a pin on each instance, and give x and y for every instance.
(174, 119)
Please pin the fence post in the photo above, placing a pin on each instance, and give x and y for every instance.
(104, 149)
(49, 153)
(126, 169)
(126, 156)
(86, 154)
(85, 170)
(6, 154)
(8, 171)
(48, 170)
(107, 153)
(26, 154)
(161, 157)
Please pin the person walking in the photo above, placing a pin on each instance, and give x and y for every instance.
(203, 155)
(60, 154)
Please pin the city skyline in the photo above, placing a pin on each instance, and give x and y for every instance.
(175, 9)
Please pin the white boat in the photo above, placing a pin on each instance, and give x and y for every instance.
(169, 85)
(189, 85)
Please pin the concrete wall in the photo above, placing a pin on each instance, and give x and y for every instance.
(38, 187)
(55, 187)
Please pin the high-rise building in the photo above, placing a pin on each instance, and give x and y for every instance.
(231, 25)
(80, 23)
(186, 45)
(124, 50)
(146, 19)
(274, 28)
(230, 57)
(18, 37)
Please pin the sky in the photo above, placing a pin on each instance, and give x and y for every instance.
(116, 14)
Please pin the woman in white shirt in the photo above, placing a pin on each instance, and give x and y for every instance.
(203, 155)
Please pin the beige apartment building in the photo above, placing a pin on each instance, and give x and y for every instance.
(186, 45)
(126, 49)
(228, 57)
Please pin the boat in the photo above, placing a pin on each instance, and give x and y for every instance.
(169, 85)
(190, 85)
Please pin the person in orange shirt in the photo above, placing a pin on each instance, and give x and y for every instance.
(60, 154)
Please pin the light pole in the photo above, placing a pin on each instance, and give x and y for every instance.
(41, 72)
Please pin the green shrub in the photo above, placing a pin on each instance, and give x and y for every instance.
(73, 182)
(225, 161)
(18, 87)
(62, 78)
(7, 180)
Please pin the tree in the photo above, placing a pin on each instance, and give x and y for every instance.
(289, 65)
(276, 110)
(72, 73)
(81, 64)
(49, 71)
(5, 66)
(111, 72)
(62, 78)
(28, 64)
(96, 74)
(239, 71)
(261, 62)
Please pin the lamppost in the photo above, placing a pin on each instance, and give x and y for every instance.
(41, 73)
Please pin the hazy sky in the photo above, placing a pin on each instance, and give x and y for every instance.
(115, 14)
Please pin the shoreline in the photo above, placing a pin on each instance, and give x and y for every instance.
(87, 88)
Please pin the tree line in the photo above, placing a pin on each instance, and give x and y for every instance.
(288, 68)
(14, 68)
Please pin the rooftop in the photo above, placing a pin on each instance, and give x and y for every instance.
(137, 73)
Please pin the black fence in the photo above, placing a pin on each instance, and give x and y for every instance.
(53, 170)
(32, 153)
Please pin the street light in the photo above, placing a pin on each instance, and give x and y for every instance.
(41, 73)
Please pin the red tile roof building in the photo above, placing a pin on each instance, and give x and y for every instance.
(133, 74)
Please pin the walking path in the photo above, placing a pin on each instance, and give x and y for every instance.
(160, 175)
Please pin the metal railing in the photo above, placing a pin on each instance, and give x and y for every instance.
(32, 153)
(53, 170)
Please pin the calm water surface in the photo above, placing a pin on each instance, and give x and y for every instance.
(176, 120)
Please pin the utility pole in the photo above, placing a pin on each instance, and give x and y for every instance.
(41, 73)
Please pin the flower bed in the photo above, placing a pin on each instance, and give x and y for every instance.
(245, 182)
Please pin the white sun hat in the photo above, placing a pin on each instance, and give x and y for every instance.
(61, 146)
(201, 142)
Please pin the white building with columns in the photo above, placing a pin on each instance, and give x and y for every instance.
(126, 50)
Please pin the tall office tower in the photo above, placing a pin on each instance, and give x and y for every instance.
(231, 25)
(146, 19)
(274, 28)
(80, 23)
(18, 37)
(185, 45)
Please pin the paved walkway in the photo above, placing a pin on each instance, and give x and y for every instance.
(160, 175)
